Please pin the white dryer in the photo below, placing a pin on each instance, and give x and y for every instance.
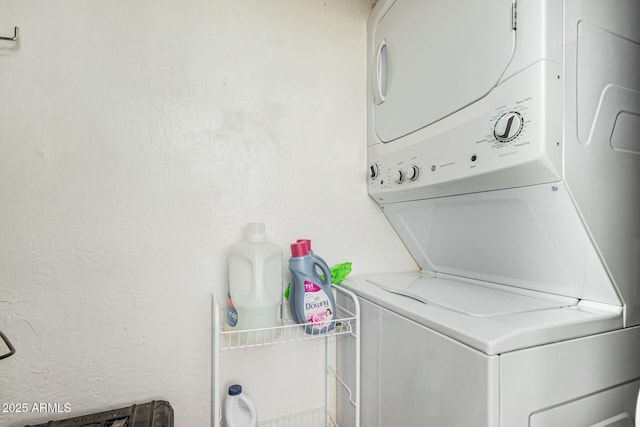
(504, 148)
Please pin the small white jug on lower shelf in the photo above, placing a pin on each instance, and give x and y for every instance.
(239, 410)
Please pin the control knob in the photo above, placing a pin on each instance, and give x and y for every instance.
(508, 127)
(373, 171)
(400, 176)
(414, 173)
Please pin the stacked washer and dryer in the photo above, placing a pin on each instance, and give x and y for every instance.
(504, 149)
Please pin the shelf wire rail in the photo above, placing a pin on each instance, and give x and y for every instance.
(289, 332)
(311, 418)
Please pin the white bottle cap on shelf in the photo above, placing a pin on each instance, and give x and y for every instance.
(256, 232)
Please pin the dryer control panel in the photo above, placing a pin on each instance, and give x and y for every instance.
(488, 145)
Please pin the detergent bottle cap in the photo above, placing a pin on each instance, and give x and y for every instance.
(256, 232)
(235, 390)
(299, 249)
(306, 242)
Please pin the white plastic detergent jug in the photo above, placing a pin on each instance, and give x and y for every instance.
(239, 410)
(254, 295)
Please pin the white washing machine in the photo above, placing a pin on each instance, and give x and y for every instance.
(504, 148)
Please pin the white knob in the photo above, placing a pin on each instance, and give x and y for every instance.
(373, 171)
(415, 173)
(508, 127)
(400, 176)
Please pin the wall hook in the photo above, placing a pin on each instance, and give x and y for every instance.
(16, 31)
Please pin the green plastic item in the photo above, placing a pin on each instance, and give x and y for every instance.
(338, 273)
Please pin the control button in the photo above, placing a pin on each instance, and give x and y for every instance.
(474, 157)
(373, 171)
(415, 173)
(508, 127)
(400, 176)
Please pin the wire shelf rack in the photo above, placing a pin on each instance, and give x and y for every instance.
(346, 322)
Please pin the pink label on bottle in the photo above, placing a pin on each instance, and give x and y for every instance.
(317, 307)
(310, 287)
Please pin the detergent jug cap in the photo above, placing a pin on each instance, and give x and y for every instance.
(299, 249)
(307, 243)
(256, 232)
(235, 390)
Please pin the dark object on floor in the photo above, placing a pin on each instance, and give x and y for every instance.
(157, 413)
(12, 350)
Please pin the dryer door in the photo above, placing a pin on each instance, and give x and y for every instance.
(432, 58)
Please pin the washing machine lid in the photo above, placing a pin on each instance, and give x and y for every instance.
(454, 52)
(491, 318)
(468, 299)
(530, 238)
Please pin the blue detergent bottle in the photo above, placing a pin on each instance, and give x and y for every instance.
(320, 261)
(311, 299)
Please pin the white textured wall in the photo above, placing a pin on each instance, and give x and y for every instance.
(136, 140)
